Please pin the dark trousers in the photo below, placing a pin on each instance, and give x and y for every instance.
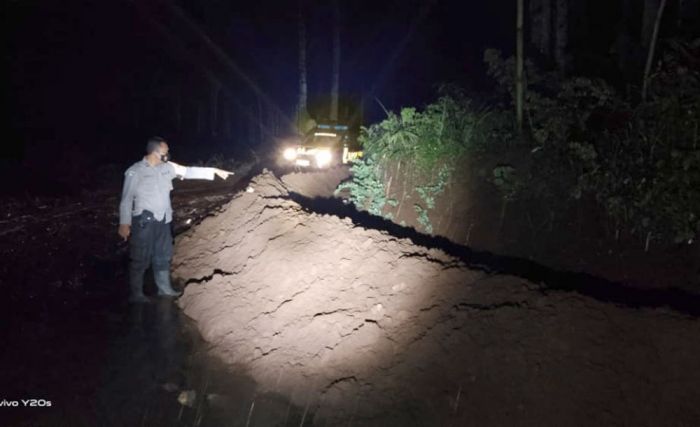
(151, 243)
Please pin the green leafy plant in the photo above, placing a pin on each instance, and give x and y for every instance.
(639, 164)
(423, 218)
(430, 191)
(414, 145)
(366, 188)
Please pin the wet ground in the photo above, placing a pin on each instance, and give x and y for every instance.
(77, 354)
(119, 365)
(505, 339)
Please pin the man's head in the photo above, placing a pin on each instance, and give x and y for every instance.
(157, 150)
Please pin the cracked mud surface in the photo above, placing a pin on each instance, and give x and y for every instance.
(357, 325)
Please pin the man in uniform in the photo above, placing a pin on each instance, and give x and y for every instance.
(145, 215)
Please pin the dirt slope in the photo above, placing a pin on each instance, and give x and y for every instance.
(355, 324)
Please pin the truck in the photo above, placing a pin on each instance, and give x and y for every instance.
(326, 145)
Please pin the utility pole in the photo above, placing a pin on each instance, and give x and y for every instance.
(652, 46)
(336, 62)
(519, 91)
(303, 90)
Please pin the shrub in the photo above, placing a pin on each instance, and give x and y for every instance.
(427, 143)
(641, 163)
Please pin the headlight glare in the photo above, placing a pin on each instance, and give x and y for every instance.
(323, 158)
(290, 153)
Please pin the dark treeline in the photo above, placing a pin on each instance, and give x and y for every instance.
(222, 77)
(608, 39)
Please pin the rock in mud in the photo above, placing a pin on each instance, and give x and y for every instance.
(187, 398)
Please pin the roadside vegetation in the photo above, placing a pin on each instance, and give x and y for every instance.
(585, 147)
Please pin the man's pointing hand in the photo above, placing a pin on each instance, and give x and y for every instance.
(222, 173)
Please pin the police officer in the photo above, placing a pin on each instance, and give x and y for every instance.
(145, 215)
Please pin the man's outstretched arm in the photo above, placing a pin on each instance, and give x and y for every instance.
(197, 172)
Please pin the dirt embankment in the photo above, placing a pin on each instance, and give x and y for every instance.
(355, 324)
(560, 233)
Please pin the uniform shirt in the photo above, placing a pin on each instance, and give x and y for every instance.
(148, 187)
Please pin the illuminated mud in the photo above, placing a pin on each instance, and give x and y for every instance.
(356, 324)
(316, 183)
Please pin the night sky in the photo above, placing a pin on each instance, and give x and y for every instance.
(79, 69)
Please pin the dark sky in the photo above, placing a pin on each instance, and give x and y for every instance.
(78, 68)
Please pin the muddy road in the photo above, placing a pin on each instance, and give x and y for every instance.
(299, 310)
(71, 340)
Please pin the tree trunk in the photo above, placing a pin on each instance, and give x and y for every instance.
(260, 120)
(252, 130)
(360, 117)
(303, 89)
(272, 122)
(336, 62)
(215, 89)
(136, 112)
(561, 34)
(226, 112)
(651, 8)
(519, 92)
(540, 26)
(652, 46)
(178, 108)
(200, 119)
(626, 45)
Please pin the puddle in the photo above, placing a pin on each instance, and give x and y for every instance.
(113, 364)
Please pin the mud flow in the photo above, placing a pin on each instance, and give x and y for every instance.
(363, 325)
(299, 310)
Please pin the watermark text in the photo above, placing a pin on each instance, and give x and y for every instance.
(25, 403)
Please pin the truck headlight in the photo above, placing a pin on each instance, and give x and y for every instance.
(323, 158)
(290, 154)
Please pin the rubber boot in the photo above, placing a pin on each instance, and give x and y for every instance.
(162, 279)
(136, 284)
